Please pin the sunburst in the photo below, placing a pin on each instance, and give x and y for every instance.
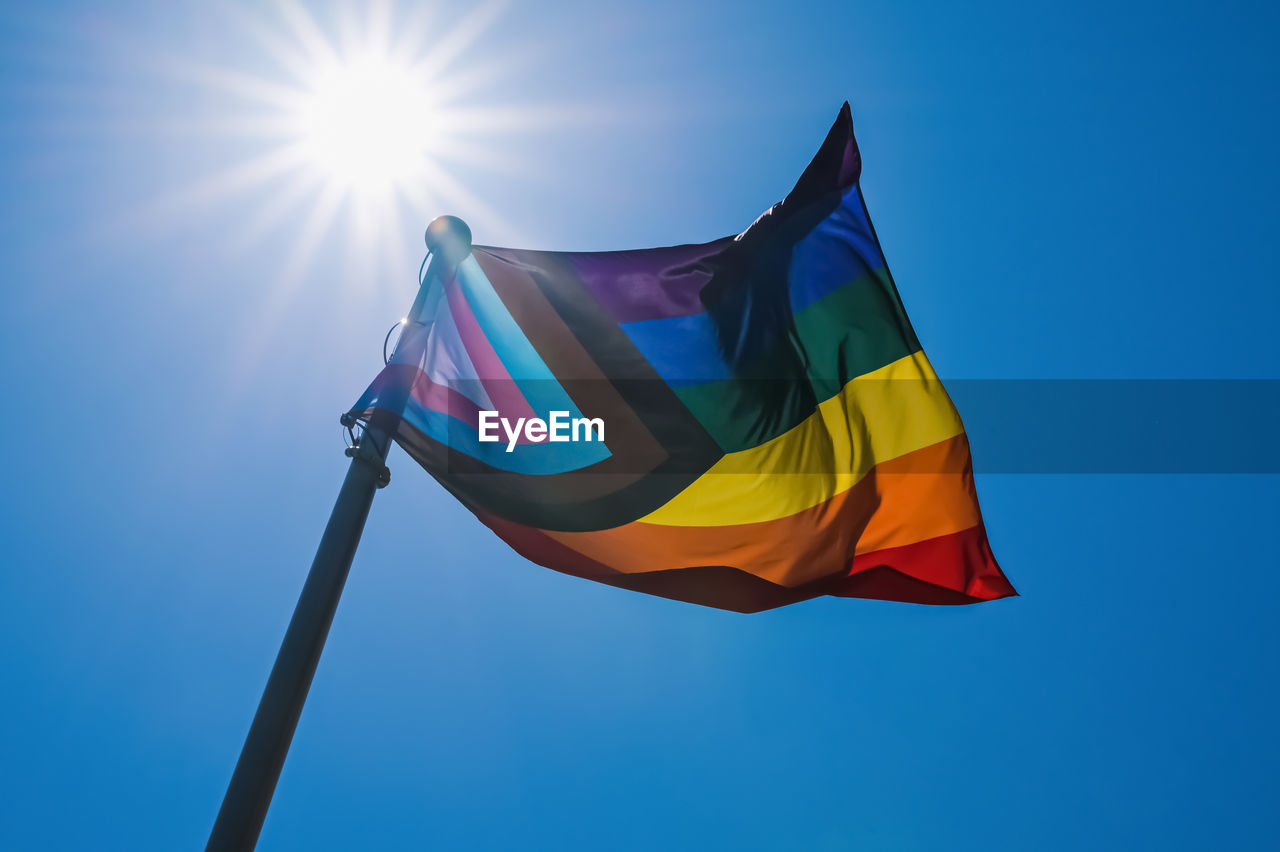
(359, 130)
(367, 123)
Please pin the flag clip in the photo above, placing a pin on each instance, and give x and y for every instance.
(358, 453)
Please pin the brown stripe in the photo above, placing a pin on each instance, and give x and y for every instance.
(634, 449)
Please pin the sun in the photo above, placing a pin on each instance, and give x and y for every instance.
(339, 130)
(360, 121)
(366, 124)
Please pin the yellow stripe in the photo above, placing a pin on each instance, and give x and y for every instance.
(878, 416)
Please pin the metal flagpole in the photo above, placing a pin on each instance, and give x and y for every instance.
(248, 795)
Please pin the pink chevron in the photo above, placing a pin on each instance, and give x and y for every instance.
(493, 375)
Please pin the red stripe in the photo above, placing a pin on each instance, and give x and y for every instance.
(956, 568)
(951, 569)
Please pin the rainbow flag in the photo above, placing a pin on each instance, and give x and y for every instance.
(742, 424)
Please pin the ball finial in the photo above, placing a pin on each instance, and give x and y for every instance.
(449, 238)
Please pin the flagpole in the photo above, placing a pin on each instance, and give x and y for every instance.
(254, 780)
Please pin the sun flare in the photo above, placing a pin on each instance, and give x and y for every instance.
(366, 124)
(358, 124)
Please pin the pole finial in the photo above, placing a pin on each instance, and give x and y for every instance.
(449, 238)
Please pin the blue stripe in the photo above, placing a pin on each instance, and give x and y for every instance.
(840, 249)
(684, 350)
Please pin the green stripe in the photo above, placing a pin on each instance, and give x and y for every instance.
(851, 331)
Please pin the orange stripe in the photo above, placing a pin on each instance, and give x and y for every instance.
(921, 495)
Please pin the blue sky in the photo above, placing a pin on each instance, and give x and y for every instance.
(1083, 191)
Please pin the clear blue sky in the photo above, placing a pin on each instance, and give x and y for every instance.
(1063, 190)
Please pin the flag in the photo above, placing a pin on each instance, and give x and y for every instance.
(742, 424)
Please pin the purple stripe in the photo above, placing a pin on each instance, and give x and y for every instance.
(634, 285)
